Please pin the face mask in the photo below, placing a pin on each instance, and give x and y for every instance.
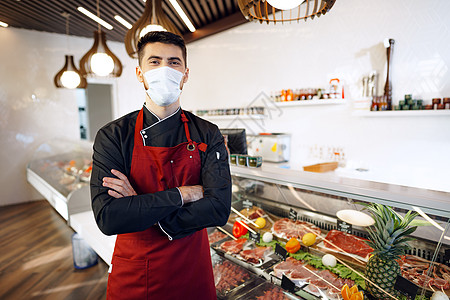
(163, 85)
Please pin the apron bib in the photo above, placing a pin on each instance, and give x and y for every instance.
(146, 264)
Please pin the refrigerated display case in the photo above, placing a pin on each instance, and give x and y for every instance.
(60, 170)
(296, 203)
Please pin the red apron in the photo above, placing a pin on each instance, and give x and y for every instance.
(146, 264)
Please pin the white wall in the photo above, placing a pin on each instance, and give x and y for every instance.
(33, 110)
(231, 68)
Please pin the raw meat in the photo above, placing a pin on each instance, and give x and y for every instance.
(287, 267)
(216, 236)
(253, 213)
(228, 276)
(272, 293)
(254, 255)
(297, 270)
(233, 247)
(348, 243)
(287, 228)
(416, 269)
(300, 274)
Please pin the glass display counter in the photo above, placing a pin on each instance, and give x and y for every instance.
(60, 170)
(327, 217)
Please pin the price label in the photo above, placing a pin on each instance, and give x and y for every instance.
(254, 236)
(344, 226)
(287, 284)
(292, 215)
(280, 251)
(247, 203)
(406, 287)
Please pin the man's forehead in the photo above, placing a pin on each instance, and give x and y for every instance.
(162, 50)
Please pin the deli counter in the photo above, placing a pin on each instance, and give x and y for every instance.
(291, 234)
(325, 215)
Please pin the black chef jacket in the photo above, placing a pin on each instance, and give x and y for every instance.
(113, 149)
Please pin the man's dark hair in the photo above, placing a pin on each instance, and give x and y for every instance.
(164, 37)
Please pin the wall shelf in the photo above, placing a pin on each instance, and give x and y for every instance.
(310, 102)
(402, 113)
(232, 117)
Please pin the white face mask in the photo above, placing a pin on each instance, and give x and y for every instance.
(163, 85)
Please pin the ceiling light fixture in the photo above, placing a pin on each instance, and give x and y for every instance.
(99, 60)
(182, 15)
(153, 19)
(3, 24)
(284, 4)
(123, 21)
(95, 18)
(69, 76)
(259, 10)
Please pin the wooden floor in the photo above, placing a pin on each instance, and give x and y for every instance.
(36, 257)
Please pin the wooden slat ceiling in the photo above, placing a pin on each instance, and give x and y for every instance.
(208, 16)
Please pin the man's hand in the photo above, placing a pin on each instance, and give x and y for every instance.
(118, 187)
(191, 193)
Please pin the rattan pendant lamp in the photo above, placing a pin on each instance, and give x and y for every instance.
(99, 60)
(290, 10)
(153, 19)
(69, 76)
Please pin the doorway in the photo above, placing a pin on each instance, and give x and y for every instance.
(95, 108)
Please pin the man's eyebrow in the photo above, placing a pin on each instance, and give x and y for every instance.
(154, 56)
(174, 58)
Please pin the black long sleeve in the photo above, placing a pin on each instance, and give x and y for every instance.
(127, 214)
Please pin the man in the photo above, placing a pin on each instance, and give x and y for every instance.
(160, 176)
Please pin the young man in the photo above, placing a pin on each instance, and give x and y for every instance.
(160, 176)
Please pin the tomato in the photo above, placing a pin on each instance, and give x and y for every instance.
(238, 229)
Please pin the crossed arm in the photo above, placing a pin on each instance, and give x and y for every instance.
(180, 211)
(120, 187)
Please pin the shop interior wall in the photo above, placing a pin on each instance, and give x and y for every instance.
(33, 111)
(232, 69)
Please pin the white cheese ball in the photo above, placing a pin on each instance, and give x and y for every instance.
(438, 295)
(329, 260)
(267, 237)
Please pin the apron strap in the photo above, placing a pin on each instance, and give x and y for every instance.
(191, 146)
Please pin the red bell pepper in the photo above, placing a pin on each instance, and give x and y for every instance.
(238, 229)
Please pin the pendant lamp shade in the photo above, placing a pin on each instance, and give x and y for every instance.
(99, 60)
(153, 15)
(290, 10)
(69, 76)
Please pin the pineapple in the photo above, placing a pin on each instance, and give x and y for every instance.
(388, 238)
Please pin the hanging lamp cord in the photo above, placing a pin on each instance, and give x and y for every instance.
(153, 17)
(67, 32)
(98, 15)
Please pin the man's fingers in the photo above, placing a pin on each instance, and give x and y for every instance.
(119, 174)
(115, 181)
(119, 188)
(114, 194)
(122, 177)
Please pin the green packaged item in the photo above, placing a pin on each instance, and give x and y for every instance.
(242, 160)
(254, 161)
(233, 159)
